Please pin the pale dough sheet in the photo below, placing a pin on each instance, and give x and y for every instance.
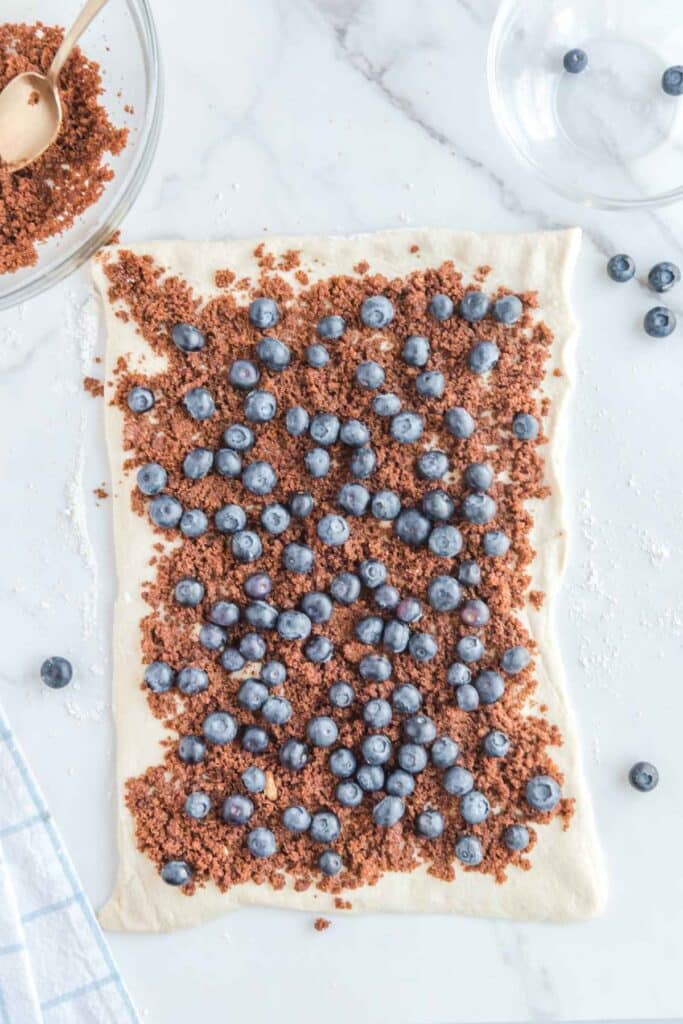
(567, 881)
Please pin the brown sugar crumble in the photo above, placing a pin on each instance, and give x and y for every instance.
(93, 386)
(101, 493)
(45, 198)
(217, 852)
(321, 924)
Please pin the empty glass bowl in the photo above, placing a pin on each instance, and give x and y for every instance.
(123, 40)
(609, 136)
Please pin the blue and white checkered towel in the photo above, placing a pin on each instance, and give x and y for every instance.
(55, 966)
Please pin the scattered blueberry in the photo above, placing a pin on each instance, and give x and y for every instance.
(370, 375)
(232, 660)
(370, 778)
(643, 776)
(224, 613)
(412, 758)
(400, 783)
(264, 313)
(467, 698)
(444, 752)
(325, 827)
(219, 727)
(261, 615)
(227, 463)
(543, 793)
(441, 307)
(260, 406)
(387, 597)
(376, 311)
(516, 837)
(261, 843)
(191, 750)
(369, 630)
(239, 437)
(301, 504)
(406, 699)
(322, 731)
(412, 527)
(507, 310)
(188, 592)
(470, 649)
(237, 809)
(193, 523)
(416, 351)
(254, 779)
(187, 338)
(331, 328)
(409, 610)
(388, 811)
(274, 354)
(672, 80)
(430, 384)
(525, 427)
(445, 541)
(297, 421)
(341, 695)
(514, 659)
(57, 672)
(324, 428)
(478, 476)
(255, 740)
(407, 427)
(429, 824)
(159, 677)
(377, 713)
(349, 794)
(469, 573)
(252, 647)
(419, 729)
(474, 306)
(575, 61)
(659, 322)
(252, 695)
(354, 433)
(362, 463)
(444, 594)
(376, 749)
(342, 763)
(458, 781)
(372, 572)
(246, 546)
(199, 403)
(317, 356)
(386, 405)
(298, 558)
(197, 805)
(273, 673)
(293, 625)
(459, 422)
(396, 636)
(345, 588)
(151, 478)
(354, 499)
(277, 710)
(258, 585)
(330, 863)
(468, 851)
(385, 505)
(483, 356)
(319, 650)
(212, 637)
(317, 462)
(458, 674)
(496, 744)
(140, 399)
(490, 686)
(317, 606)
(478, 508)
(432, 465)
(438, 505)
(296, 819)
(621, 268)
(496, 544)
(663, 276)
(244, 374)
(176, 872)
(423, 647)
(332, 530)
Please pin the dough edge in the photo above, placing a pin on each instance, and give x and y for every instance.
(567, 881)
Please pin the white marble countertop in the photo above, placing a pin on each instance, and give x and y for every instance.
(341, 116)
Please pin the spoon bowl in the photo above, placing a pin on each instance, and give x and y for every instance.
(30, 117)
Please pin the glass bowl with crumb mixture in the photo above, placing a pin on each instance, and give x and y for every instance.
(123, 42)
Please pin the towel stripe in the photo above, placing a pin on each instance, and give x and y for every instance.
(76, 993)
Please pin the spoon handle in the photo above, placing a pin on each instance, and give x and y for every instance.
(90, 9)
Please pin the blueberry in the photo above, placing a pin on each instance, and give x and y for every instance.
(387, 597)
(317, 462)
(478, 476)
(322, 731)
(349, 794)
(199, 403)
(621, 268)
(330, 863)
(416, 351)
(478, 508)
(642, 776)
(258, 586)
(296, 819)
(193, 523)
(165, 511)
(406, 699)
(261, 843)
(396, 636)
(376, 311)
(252, 695)
(514, 660)
(212, 637)
(459, 422)
(575, 61)
(429, 824)
(370, 375)
(252, 647)
(237, 809)
(444, 752)
(409, 610)
(298, 558)
(430, 384)
(469, 573)
(362, 463)
(277, 710)
(376, 749)
(543, 793)
(372, 572)
(467, 698)
(377, 714)
(228, 463)
(264, 313)
(370, 778)
(151, 478)
(261, 615)
(191, 750)
(274, 354)
(324, 428)
(470, 649)
(388, 811)
(192, 680)
(663, 276)
(331, 328)
(432, 465)
(219, 728)
(297, 421)
(369, 630)
(441, 307)
(458, 781)
(176, 872)
(255, 740)
(422, 646)
(474, 807)
(224, 613)
(293, 625)
(259, 478)
(474, 306)
(260, 406)
(444, 594)
(275, 519)
(400, 783)
(354, 499)
(345, 588)
(56, 672)
(341, 695)
(159, 676)
(188, 592)
(354, 433)
(246, 546)
(507, 310)
(230, 519)
(232, 660)
(468, 851)
(239, 437)
(325, 827)
(140, 399)
(333, 530)
(483, 356)
(458, 674)
(317, 606)
(525, 427)
(437, 505)
(490, 686)
(407, 427)
(197, 805)
(412, 758)
(301, 504)
(496, 544)
(659, 322)
(244, 374)
(273, 673)
(187, 338)
(317, 356)
(385, 505)
(474, 613)
(342, 763)
(254, 779)
(412, 527)
(516, 837)
(672, 80)
(386, 405)
(419, 729)
(496, 744)
(319, 650)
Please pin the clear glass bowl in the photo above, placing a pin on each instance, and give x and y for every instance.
(609, 136)
(123, 40)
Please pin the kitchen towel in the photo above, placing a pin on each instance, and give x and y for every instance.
(55, 965)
